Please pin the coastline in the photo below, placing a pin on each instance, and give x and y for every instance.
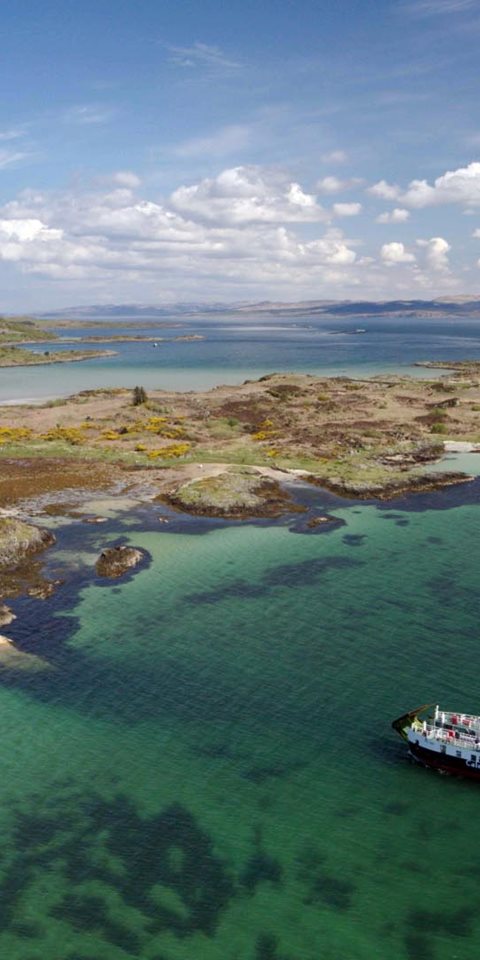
(233, 453)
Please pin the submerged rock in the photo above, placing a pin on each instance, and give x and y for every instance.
(11, 658)
(116, 561)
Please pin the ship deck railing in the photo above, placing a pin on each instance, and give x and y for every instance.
(452, 737)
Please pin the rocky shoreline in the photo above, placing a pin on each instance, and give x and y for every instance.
(232, 453)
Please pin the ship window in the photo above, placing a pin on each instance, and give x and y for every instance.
(459, 753)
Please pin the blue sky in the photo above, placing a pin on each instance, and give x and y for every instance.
(159, 151)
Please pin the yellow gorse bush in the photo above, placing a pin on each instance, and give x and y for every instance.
(11, 434)
(73, 435)
(170, 452)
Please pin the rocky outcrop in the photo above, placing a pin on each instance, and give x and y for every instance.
(20, 540)
(6, 615)
(114, 562)
(238, 493)
(388, 489)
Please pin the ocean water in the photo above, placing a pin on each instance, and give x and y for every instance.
(197, 763)
(231, 353)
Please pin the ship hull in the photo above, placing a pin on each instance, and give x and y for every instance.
(457, 766)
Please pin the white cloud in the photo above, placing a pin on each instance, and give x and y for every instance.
(333, 184)
(106, 235)
(335, 156)
(347, 209)
(13, 134)
(436, 253)
(27, 229)
(9, 158)
(460, 186)
(476, 233)
(126, 178)
(395, 252)
(201, 55)
(435, 8)
(250, 194)
(227, 140)
(398, 215)
(86, 114)
(384, 190)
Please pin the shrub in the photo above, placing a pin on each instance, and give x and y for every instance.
(139, 396)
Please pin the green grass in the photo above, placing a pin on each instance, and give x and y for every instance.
(22, 328)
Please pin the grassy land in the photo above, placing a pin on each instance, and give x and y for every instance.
(20, 329)
(11, 356)
(365, 432)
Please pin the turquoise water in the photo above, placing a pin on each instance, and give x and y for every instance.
(206, 768)
(197, 763)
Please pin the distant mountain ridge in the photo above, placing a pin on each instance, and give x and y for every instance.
(459, 306)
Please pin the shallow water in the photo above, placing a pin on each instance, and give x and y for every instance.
(208, 771)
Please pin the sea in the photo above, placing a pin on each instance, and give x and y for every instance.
(197, 762)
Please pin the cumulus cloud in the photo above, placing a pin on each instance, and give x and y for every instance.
(247, 195)
(398, 215)
(347, 209)
(395, 252)
(436, 253)
(455, 186)
(384, 190)
(126, 178)
(101, 234)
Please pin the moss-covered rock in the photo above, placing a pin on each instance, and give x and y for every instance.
(19, 540)
(114, 562)
(238, 492)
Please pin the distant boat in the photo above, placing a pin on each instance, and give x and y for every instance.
(155, 344)
(447, 741)
(360, 330)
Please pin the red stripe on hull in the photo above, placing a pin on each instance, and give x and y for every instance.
(436, 761)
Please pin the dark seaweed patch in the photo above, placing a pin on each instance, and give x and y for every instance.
(288, 575)
(322, 885)
(89, 838)
(90, 913)
(266, 948)
(456, 923)
(418, 947)
(260, 774)
(396, 807)
(354, 539)
(260, 867)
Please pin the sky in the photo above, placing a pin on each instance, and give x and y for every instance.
(156, 151)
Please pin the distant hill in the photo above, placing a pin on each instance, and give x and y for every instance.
(456, 306)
